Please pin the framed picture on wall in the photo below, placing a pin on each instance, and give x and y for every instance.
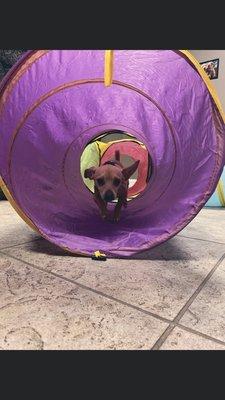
(211, 67)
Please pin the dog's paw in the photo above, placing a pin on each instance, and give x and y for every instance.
(104, 215)
(116, 218)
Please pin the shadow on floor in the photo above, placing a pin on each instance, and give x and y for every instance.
(168, 251)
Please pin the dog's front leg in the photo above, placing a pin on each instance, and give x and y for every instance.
(117, 210)
(122, 201)
(100, 203)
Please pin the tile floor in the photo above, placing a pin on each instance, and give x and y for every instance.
(169, 298)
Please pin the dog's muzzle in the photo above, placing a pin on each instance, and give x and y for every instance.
(109, 196)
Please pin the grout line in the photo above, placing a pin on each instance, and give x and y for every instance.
(172, 323)
(159, 342)
(163, 319)
(171, 328)
(178, 317)
(197, 291)
(204, 335)
(201, 240)
(20, 244)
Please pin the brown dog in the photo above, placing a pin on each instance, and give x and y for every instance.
(111, 183)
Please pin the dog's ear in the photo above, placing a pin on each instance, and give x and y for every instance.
(117, 155)
(129, 171)
(90, 173)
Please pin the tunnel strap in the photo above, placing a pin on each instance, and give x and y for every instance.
(207, 81)
(109, 55)
(217, 101)
(108, 67)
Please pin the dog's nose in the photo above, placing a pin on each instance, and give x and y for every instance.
(109, 196)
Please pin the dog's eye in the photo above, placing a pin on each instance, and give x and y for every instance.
(100, 182)
(116, 182)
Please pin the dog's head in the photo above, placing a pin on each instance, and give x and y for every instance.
(111, 178)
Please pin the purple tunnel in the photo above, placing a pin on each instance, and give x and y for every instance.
(53, 103)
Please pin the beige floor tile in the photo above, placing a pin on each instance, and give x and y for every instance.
(39, 311)
(160, 281)
(13, 230)
(183, 340)
(208, 225)
(207, 313)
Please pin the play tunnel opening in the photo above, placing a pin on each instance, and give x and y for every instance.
(157, 96)
(101, 149)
